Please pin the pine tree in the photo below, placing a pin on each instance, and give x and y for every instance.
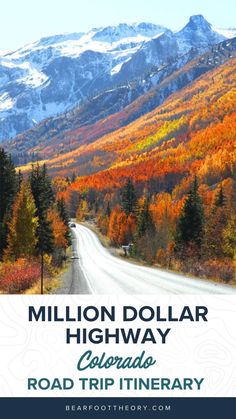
(42, 190)
(44, 197)
(108, 210)
(22, 238)
(45, 244)
(19, 180)
(61, 208)
(214, 227)
(190, 224)
(128, 198)
(220, 198)
(8, 188)
(144, 222)
(145, 237)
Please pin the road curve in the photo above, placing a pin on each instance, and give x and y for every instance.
(107, 274)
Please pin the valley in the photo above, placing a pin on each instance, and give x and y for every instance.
(131, 128)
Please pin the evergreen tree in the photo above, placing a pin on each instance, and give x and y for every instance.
(145, 237)
(108, 210)
(45, 236)
(42, 190)
(19, 180)
(73, 177)
(61, 208)
(22, 238)
(214, 227)
(128, 197)
(190, 224)
(8, 188)
(220, 198)
(44, 197)
(144, 222)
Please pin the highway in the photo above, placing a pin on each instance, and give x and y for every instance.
(96, 271)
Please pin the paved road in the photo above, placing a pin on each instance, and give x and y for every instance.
(98, 272)
(73, 281)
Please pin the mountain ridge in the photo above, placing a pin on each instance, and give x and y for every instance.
(96, 118)
(52, 75)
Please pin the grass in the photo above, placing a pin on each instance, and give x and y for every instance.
(50, 284)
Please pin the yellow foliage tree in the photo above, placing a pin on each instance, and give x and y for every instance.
(22, 228)
(82, 211)
(59, 229)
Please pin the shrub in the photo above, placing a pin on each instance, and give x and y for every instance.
(18, 276)
(161, 257)
(220, 269)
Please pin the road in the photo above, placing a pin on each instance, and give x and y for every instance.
(98, 272)
(73, 280)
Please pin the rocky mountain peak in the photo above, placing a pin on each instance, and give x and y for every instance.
(197, 21)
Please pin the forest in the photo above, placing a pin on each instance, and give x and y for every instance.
(165, 186)
(170, 185)
(34, 227)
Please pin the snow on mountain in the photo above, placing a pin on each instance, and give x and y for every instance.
(227, 33)
(198, 34)
(112, 34)
(56, 73)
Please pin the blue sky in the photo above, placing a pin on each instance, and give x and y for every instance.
(24, 21)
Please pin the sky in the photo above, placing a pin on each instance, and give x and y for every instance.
(25, 21)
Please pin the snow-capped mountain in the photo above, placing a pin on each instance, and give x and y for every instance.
(197, 34)
(52, 75)
(194, 39)
(56, 73)
(227, 33)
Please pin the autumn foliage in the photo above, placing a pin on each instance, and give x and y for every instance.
(58, 228)
(193, 131)
(18, 277)
(35, 224)
(121, 227)
(22, 238)
(192, 135)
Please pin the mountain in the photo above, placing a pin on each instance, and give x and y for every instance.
(52, 75)
(57, 73)
(197, 34)
(194, 39)
(194, 130)
(113, 109)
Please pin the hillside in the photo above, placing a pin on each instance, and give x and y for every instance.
(193, 131)
(99, 116)
(166, 182)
